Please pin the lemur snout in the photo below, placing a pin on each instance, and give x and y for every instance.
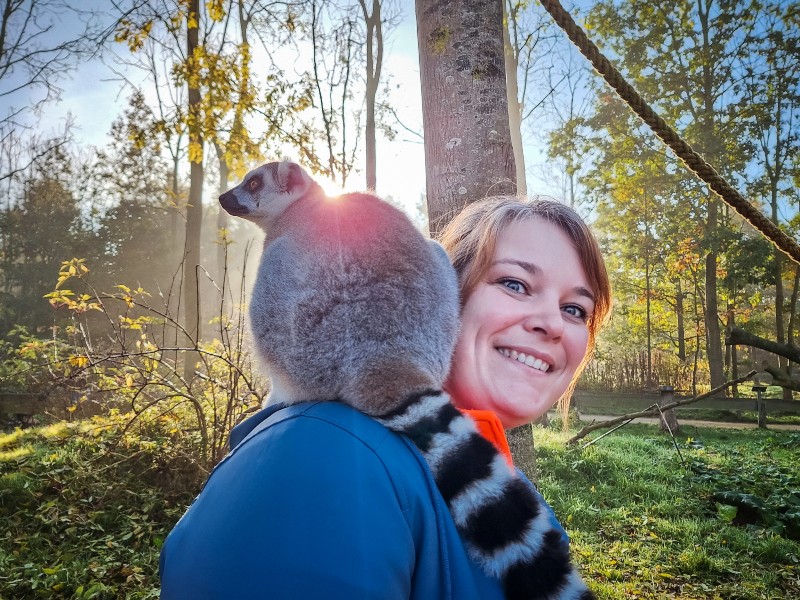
(231, 204)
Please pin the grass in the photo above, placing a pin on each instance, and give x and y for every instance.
(84, 511)
(643, 525)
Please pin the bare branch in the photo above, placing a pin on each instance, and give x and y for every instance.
(652, 412)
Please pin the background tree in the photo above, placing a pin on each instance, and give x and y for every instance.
(36, 53)
(337, 53)
(373, 24)
(683, 58)
(771, 88)
(41, 227)
(133, 229)
(568, 111)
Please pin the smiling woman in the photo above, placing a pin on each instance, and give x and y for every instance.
(534, 294)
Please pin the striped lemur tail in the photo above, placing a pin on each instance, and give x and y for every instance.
(503, 525)
(352, 302)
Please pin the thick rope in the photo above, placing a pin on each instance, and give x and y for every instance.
(669, 136)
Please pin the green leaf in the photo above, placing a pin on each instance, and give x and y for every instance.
(726, 512)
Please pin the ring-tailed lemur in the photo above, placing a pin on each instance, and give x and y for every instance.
(352, 303)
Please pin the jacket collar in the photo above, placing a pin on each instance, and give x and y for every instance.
(489, 426)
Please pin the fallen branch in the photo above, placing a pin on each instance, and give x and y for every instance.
(738, 336)
(652, 412)
(780, 378)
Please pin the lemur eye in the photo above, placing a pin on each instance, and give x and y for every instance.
(254, 184)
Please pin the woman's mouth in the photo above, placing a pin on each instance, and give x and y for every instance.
(530, 361)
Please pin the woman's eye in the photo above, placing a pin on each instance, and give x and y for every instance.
(513, 285)
(575, 311)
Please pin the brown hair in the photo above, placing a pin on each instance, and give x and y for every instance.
(470, 240)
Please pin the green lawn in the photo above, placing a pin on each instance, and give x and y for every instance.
(84, 513)
(726, 525)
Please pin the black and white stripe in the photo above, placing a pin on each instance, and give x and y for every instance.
(502, 523)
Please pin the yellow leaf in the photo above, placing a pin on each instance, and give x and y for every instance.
(79, 361)
(129, 380)
(195, 152)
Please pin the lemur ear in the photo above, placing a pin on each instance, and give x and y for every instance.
(291, 177)
(296, 179)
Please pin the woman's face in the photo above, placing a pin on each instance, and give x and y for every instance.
(524, 327)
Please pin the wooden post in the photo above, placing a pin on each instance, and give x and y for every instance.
(669, 422)
(762, 408)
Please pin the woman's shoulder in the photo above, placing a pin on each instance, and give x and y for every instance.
(310, 484)
(314, 425)
(326, 441)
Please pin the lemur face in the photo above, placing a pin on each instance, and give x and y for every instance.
(266, 192)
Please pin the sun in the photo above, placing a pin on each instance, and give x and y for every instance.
(331, 188)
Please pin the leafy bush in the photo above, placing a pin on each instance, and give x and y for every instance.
(146, 365)
(747, 492)
(87, 506)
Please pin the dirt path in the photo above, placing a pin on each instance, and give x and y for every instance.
(693, 423)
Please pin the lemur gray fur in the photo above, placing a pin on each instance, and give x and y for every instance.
(352, 303)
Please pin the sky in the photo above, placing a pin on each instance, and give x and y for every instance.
(94, 97)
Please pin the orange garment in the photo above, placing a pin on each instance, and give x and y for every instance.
(489, 426)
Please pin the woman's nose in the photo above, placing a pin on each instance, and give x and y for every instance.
(545, 318)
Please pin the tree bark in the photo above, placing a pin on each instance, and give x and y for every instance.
(468, 152)
(523, 450)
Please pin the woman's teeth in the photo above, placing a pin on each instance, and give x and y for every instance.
(530, 361)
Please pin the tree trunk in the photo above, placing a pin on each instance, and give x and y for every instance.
(711, 145)
(780, 329)
(194, 208)
(514, 106)
(174, 224)
(681, 325)
(222, 219)
(713, 334)
(374, 29)
(793, 306)
(648, 309)
(734, 358)
(468, 152)
(523, 450)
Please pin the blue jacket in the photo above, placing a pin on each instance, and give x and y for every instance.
(318, 500)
